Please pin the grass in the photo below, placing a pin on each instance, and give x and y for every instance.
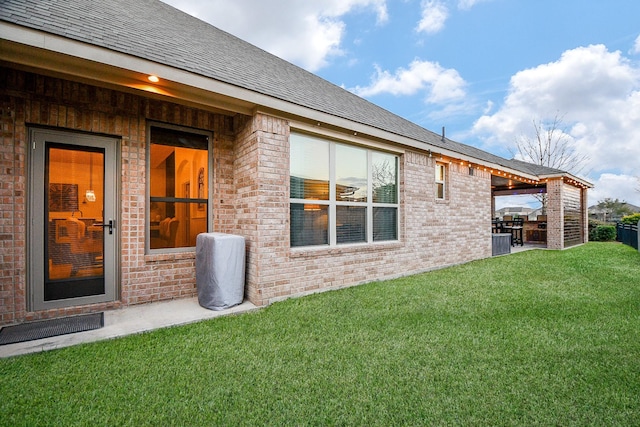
(535, 338)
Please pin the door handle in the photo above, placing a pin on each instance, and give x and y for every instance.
(111, 224)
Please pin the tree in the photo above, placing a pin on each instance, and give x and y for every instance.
(384, 180)
(550, 146)
(613, 208)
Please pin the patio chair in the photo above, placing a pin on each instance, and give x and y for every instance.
(516, 232)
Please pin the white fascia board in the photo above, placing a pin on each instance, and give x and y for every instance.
(355, 129)
(353, 138)
(569, 176)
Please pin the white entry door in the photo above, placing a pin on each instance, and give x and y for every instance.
(73, 219)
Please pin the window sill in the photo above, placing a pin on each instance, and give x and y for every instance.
(169, 257)
(314, 251)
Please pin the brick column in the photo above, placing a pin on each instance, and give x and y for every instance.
(12, 211)
(555, 214)
(262, 201)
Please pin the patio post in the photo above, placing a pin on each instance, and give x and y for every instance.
(555, 215)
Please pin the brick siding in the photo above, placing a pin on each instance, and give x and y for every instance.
(555, 214)
(250, 197)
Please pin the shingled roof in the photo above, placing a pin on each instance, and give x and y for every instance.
(155, 31)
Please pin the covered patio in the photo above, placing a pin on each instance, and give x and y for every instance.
(562, 221)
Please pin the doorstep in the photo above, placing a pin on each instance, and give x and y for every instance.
(130, 320)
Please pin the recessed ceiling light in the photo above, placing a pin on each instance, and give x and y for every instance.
(153, 79)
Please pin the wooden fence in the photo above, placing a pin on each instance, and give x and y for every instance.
(628, 234)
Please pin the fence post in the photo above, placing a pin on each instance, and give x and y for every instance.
(638, 231)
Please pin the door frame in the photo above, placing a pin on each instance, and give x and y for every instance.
(35, 250)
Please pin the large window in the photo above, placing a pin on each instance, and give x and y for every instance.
(341, 193)
(178, 186)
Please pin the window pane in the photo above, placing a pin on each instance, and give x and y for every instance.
(178, 171)
(73, 215)
(351, 174)
(385, 222)
(384, 173)
(309, 177)
(309, 224)
(176, 224)
(351, 224)
(173, 169)
(440, 181)
(440, 173)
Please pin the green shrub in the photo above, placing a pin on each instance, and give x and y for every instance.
(593, 224)
(603, 233)
(631, 219)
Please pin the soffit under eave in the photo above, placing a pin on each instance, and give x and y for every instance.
(73, 68)
(186, 88)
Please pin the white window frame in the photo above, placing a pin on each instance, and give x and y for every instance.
(443, 181)
(332, 203)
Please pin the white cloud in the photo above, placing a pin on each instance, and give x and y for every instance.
(598, 94)
(434, 16)
(636, 47)
(306, 33)
(467, 4)
(439, 84)
(489, 107)
(621, 187)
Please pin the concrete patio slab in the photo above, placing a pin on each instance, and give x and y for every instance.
(127, 321)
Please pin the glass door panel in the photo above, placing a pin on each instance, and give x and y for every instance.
(73, 210)
(74, 205)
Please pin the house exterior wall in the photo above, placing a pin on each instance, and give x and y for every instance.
(262, 185)
(250, 197)
(34, 100)
(567, 221)
(433, 234)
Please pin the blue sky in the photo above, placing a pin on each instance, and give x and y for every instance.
(484, 69)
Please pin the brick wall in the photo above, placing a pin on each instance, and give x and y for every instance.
(12, 212)
(35, 100)
(555, 214)
(433, 234)
(262, 180)
(250, 197)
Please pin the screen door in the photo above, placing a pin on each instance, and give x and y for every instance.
(73, 212)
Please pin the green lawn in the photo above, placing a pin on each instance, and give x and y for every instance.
(535, 338)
